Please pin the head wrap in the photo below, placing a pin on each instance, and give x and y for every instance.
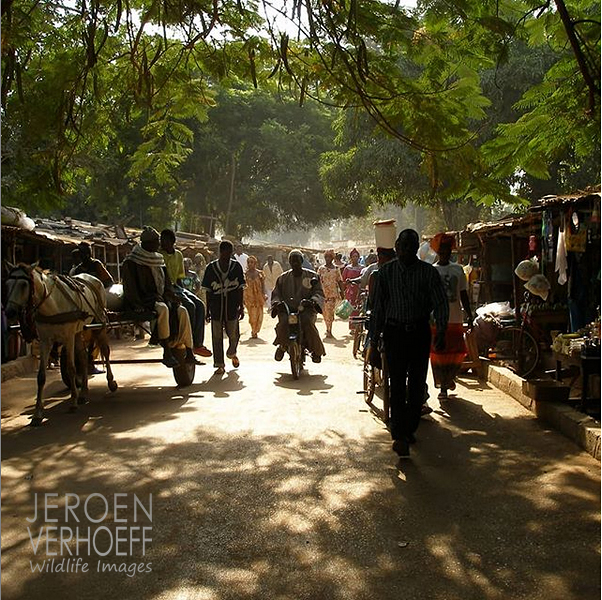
(293, 253)
(149, 234)
(354, 251)
(443, 239)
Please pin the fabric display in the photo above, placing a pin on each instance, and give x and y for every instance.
(547, 236)
(561, 259)
(575, 233)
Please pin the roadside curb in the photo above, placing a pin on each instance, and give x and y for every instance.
(580, 428)
(24, 365)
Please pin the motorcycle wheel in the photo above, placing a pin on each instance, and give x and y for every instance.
(294, 351)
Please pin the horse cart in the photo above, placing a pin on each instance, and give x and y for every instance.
(75, 312)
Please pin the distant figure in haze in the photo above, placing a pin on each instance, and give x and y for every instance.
(332, 284)
(254, 296)
(240, 256)
(191, 280)
(339, 262)
(199, 264)
(271, 271)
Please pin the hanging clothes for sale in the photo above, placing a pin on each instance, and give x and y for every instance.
(547, 236)
(561, 260)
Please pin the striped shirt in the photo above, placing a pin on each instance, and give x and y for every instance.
(408, 294)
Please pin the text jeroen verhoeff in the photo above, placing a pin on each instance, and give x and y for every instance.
(73, 540)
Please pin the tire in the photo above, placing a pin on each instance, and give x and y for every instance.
(184, 372)
(294, 352)
(369, 379)
(385, 388)
(359, 335)
(516, 349)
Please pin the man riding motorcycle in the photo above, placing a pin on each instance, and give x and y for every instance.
(301, 291)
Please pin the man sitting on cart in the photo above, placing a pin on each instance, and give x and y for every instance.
(146, 286)
(301, 290)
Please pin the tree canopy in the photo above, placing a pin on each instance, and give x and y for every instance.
(148, 108)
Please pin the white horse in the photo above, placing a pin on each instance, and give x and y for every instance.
(59, 307)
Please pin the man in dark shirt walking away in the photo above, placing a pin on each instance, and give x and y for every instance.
(224, 281)
(407, 291)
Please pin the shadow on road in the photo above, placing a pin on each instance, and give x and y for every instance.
(241, 515)
(306, 385)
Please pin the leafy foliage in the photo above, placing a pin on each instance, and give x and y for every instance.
(138, 108)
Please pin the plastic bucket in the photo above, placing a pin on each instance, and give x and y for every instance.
(385, 233)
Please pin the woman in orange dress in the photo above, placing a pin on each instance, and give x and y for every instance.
(446, 363)
(332, 284)
(254, 295)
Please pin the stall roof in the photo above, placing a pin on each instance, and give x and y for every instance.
(512, 222)
(72, 232)
(561, 199)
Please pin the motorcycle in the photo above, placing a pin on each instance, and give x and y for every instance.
(295, 347)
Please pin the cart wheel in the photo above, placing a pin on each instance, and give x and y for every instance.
(184, 372)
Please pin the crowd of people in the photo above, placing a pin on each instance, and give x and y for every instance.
(417, 309)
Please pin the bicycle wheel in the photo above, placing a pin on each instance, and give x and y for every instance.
(516, 349)
(359, 335)
(385, 389)
(369, 379)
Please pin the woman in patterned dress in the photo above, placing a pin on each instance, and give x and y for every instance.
(353, 270)
(254, 295)
(332, 284)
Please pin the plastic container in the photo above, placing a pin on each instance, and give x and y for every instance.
(385, 233)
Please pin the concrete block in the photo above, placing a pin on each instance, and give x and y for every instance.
(24, 365)
(580, 428)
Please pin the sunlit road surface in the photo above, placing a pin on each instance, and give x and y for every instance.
(268, 488)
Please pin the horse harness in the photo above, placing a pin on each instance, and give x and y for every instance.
(76, 285)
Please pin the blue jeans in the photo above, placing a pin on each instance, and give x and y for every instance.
(196, 311)
(217, 338)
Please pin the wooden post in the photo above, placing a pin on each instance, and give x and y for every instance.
(514, 279)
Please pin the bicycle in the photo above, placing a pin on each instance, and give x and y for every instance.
(517, 346)
(374, 378)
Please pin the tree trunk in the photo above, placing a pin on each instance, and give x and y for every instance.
(583, 67)
(231, 199)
